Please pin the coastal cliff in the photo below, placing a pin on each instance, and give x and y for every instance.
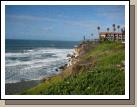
(81, 50)
(93, 68)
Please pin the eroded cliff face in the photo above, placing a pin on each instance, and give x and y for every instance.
(84, 48)
(79, 51)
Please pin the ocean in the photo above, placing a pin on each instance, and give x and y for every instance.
(27, 60)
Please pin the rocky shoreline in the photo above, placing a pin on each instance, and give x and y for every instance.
(74, 59)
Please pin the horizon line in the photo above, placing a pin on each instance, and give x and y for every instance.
(44, 40)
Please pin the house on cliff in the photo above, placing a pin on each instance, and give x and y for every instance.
(112, 36)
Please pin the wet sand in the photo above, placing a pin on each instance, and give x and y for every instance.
(17, 88)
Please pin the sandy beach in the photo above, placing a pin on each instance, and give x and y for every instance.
(15, 88)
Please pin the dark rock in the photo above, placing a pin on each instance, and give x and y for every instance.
(69, 55)
(63, 67)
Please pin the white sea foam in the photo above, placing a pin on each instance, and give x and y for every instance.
(34, 64)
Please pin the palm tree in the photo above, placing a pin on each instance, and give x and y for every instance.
(114, 29)
(98, 28)
(92, 34)
(123, 30)
(84, 38)
(118, 27)
(107, 29)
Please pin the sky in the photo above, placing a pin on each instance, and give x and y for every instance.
(69, 23)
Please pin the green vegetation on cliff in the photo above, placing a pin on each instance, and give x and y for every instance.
(100, 71)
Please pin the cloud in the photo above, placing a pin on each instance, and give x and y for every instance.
(112, 16)
(111, 8)
(116, 13)
(30, 17)
(62, 19)
(85, 24)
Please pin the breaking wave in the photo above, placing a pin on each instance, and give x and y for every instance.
(34, 64)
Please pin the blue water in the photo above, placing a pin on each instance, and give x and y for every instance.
(35, 59)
